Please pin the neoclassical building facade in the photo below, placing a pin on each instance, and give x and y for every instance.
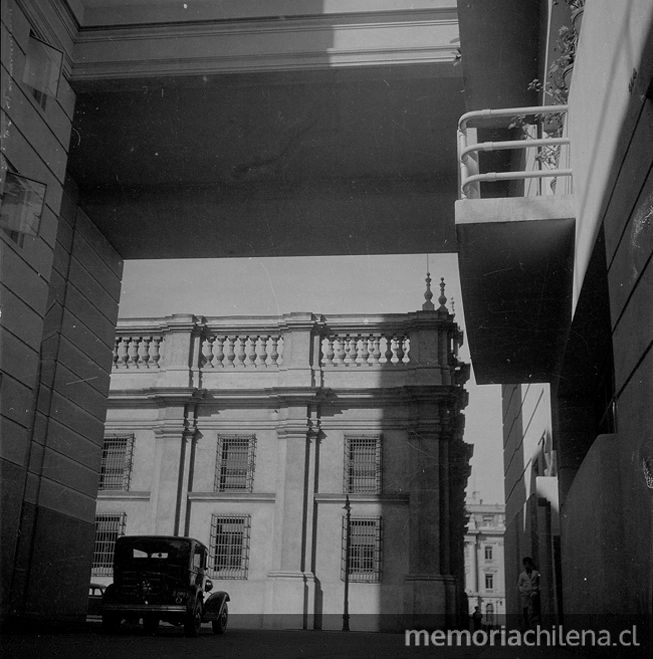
(485, 575)
(254, 434)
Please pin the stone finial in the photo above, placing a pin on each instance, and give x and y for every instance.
(453, 307)
(428, 295)
(442, 299)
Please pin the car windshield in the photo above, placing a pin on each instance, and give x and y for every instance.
(152, 550)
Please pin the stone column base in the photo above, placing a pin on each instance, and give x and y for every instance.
(429, 601)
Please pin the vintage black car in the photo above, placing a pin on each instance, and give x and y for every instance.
(162, 579)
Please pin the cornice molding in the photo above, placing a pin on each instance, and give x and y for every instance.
(266, 45)
(42, 22)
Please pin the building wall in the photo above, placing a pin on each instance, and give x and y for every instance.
(59, 296)
(296, 505)
(613, 128)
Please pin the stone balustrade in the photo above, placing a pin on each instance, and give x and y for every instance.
(365, 349)
(137, 351)
(302, 349)
(241, 351)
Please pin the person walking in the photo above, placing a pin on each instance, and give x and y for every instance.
(529, 593)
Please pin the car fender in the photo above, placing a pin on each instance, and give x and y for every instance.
(214, 605)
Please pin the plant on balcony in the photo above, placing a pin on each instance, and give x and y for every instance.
(555, 88)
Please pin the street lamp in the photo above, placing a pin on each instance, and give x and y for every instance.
(345, 615)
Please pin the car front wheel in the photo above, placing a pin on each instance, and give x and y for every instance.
(220, 625)
(193, 622)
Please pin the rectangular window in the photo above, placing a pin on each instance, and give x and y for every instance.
(107, 530)
(21, 204)
(363, 469)
(42, 69)
(235, 463)
(364, 549)
(489, 582)
(116, 466)
(488, 552)
(229, 551)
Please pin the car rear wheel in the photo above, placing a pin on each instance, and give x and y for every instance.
(220, 625)
(193, 622)
(110, 623)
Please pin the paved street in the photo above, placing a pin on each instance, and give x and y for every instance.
(91, 643)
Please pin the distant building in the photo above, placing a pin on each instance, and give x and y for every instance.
(252, 433)
(485, 582)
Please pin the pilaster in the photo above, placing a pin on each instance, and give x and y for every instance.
(171, 438)
(291, 583)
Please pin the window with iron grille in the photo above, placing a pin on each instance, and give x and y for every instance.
(235, 463)
(108, 527)
(116, 467)
(363, 471)
(229, 550)
(364, 549)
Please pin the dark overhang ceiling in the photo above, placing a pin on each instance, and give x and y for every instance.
(355, 160)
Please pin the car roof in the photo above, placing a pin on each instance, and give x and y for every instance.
(124, 538)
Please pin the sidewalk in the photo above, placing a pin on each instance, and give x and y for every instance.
(92, 643)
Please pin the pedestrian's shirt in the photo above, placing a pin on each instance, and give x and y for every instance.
(528, 583)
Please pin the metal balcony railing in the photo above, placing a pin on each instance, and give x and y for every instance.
(470, 176)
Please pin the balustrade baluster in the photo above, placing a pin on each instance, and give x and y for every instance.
(132, 352)
(364, 351)
(230, 351)
(144, 352)
(274, 350)
(388, 350)
(218, 352)
(262, 350)
(121, 353)
(250, 350)
(155, 351)
(240, 352)
(406, 359)
(399, 342)
(375, 356)
(338, 352)
(207, 353)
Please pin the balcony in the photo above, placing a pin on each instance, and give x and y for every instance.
(299, 352)
(515, 252)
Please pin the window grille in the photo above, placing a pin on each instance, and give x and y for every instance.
(488, 552)
(116, 467)
(235, 463)
(363, 469)
(107, 530)
(229, 550)
(364, 549)
(489, 581)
